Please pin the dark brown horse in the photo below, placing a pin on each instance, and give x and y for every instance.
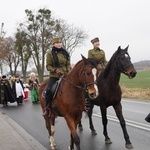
(110, 91)
(70, 99)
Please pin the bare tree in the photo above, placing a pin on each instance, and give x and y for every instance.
(23, 47)
(72, 36)
(9, 54)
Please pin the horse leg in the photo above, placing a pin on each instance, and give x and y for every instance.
(74, 136)
(53, 129)
(71, 143)
(118, 110)
(80, 127)
(51, 138)
(90, 112)
(105, 121)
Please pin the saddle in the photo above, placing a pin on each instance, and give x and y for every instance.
(54, 89)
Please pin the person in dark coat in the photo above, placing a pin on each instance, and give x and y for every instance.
(6, 93)
(18, 90)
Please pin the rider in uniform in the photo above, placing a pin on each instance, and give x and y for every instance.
(58, 64)
(98, 55)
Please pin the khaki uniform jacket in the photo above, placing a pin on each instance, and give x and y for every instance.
(63, 61)
(99, 56)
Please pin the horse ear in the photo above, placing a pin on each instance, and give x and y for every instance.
(119, 49)
(84, 60)
(127, 48)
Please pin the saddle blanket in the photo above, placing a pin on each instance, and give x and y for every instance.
(54, 89)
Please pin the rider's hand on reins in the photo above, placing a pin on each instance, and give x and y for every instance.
(58, 72)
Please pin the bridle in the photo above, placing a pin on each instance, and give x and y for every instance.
(85, 83)
(124, 68)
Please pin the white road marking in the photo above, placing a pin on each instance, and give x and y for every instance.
(138, 102)
(128, 122)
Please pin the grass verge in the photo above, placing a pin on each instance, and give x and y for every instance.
(138, 87)
(135, 93)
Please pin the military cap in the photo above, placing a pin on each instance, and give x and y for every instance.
(56, 40)
(95, 40)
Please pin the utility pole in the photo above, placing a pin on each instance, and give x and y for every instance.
(2, 34)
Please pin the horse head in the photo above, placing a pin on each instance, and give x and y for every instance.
(87, 77)
(124, 63)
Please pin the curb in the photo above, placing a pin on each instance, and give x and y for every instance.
(14, 137)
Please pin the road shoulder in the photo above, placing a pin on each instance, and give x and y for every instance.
(14, 137)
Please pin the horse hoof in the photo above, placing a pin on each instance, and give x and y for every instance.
(69, 148)
(129, 146)
(108, 141)
(80, 128)
(93, 132)
(53, 147)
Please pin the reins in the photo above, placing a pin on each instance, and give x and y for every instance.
(85, 84)
(78, 86)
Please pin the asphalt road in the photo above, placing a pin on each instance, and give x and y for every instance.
(29, 116)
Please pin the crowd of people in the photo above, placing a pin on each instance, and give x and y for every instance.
(15, 90)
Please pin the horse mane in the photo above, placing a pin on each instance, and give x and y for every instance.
(77, 63)
(109, 65)
(72, 69)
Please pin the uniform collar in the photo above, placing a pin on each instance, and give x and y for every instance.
(97, 49)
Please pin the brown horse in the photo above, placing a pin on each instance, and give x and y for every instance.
(110, 91)
(70, 99)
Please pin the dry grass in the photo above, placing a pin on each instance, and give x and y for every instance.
(136, 93)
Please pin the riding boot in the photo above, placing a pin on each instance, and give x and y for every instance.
(48, 103)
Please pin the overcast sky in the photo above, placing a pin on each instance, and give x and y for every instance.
(115, 22)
